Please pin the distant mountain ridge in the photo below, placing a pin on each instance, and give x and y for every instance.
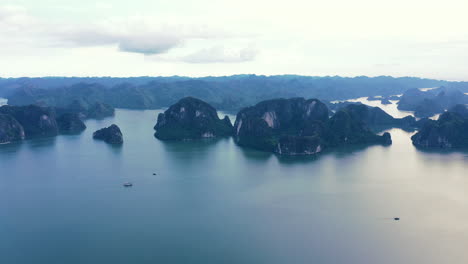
(224, 93)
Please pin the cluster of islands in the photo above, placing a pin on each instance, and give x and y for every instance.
(286, 126)
(273, 113)
(297, 126)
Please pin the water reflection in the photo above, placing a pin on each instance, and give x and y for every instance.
(74, 133)
(255, 155)
(115, 148)
(11, 147)
(40, 143)
(340, 152)
(441, 150)
(213, 200)
(190, 149)
(285, 160)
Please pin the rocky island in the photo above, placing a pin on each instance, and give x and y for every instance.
(36, 121)
(285, 126)
(10, 129)
(431, 102)
(449, 131)
(301, 127)
(377, 119)
(191, 118)
(347, 127)
(111, 135)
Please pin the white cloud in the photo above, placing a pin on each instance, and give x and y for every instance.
(135, 34)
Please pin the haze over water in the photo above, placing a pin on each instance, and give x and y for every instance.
(62, 201)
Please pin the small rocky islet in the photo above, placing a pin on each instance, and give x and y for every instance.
(110, 135)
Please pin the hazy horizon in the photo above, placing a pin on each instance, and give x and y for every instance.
(424, 39)
(227, 75)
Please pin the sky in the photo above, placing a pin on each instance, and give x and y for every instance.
(422, 38)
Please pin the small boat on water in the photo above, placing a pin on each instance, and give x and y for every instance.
(128, 184)
(396, 218)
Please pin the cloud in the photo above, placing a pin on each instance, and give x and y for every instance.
(148, 46)
(129, 38)
(136, 34)
(219, 54)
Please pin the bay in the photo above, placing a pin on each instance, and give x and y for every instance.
(62, 201)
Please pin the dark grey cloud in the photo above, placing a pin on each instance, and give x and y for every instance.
(149, 45)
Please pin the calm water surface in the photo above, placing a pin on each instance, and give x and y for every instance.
(62, 201)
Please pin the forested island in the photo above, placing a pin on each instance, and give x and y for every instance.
(447, 132)
(31, 121)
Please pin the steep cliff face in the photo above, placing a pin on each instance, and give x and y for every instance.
(70, 123)
(449, 131)
(111, 134)
(36, 121)
(191, 118)
(10, 129)
(347, 127)
(302, 127)
(282, 125)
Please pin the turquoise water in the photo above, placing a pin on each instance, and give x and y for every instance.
(62, 201)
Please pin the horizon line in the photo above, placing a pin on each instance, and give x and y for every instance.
(232, 75)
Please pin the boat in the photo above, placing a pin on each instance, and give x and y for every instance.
(128, 184)
(396, 218)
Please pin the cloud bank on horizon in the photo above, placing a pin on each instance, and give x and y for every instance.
(207, 37)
